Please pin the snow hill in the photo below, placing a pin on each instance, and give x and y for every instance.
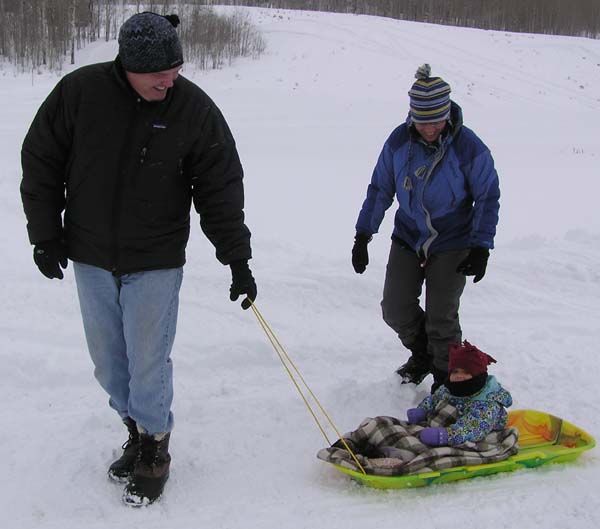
(310, 117)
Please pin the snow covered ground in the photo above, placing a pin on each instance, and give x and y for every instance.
(310, 118)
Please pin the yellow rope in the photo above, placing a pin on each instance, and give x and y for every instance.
(283, 357)
(265, 328)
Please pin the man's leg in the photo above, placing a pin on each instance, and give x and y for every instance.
(402, 311)
(150, 302)
(444, 287)
(98, 292)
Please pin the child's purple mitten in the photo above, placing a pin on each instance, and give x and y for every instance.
(434, 436)
(416, 415)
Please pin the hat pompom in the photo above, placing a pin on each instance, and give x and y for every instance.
(173, 19)
(423, 72)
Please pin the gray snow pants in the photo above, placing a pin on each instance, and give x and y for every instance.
(403, 286)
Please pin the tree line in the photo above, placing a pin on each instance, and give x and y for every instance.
(210, 39)
(555, 17)
(45, 33)
(37, 34)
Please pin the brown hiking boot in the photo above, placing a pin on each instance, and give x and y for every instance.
(121, 469)
(150, 472)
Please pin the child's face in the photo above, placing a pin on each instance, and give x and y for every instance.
(459, 375)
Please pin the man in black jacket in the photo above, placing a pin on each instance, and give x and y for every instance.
(123, 149)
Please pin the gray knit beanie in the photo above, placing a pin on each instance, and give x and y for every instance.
(148, 43)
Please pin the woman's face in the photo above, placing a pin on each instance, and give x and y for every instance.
(430, 132)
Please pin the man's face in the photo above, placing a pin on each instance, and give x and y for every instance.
(153, 86)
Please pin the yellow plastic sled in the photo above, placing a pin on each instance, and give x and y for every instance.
(543, 439)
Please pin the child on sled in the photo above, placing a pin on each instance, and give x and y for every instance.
(479, 398)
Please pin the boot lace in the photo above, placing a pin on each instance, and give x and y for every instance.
(132, 440)
(134, 436)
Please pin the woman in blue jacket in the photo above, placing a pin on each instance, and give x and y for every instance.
(444, 180)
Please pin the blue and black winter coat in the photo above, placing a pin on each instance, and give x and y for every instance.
(478, 414)
(448, 192)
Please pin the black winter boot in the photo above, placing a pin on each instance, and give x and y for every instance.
(418, 365)
(122, 468)
(415, 369)
(151, 471)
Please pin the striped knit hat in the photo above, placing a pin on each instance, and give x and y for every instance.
(429, 97)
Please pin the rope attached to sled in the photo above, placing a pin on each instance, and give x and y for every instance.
(287, 362)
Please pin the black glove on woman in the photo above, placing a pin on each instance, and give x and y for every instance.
(360, 254)
(475, 264)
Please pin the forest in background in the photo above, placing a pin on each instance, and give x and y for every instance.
(555, 17)
(43, 34)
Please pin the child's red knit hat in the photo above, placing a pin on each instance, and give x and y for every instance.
(468, 357)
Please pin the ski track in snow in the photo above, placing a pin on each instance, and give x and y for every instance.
(309, 118)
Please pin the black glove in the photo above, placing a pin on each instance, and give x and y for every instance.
(242, 282)
(360, 254)
(474, 264)
(48, 255)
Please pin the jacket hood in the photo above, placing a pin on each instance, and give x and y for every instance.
(456, 117)
(494, 391)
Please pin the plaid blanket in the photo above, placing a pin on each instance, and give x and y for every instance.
(387, 446)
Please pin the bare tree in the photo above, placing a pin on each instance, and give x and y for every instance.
(211, 39)
(45, 33)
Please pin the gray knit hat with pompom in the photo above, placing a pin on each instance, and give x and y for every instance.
(148, 43)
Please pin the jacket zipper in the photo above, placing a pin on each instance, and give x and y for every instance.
(118, 191)
(433, 232)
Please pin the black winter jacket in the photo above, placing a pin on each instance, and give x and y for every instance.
(125, 172)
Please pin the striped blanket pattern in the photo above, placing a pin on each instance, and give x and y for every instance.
(387, 446)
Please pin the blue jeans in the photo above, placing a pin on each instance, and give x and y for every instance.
(129, 324)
